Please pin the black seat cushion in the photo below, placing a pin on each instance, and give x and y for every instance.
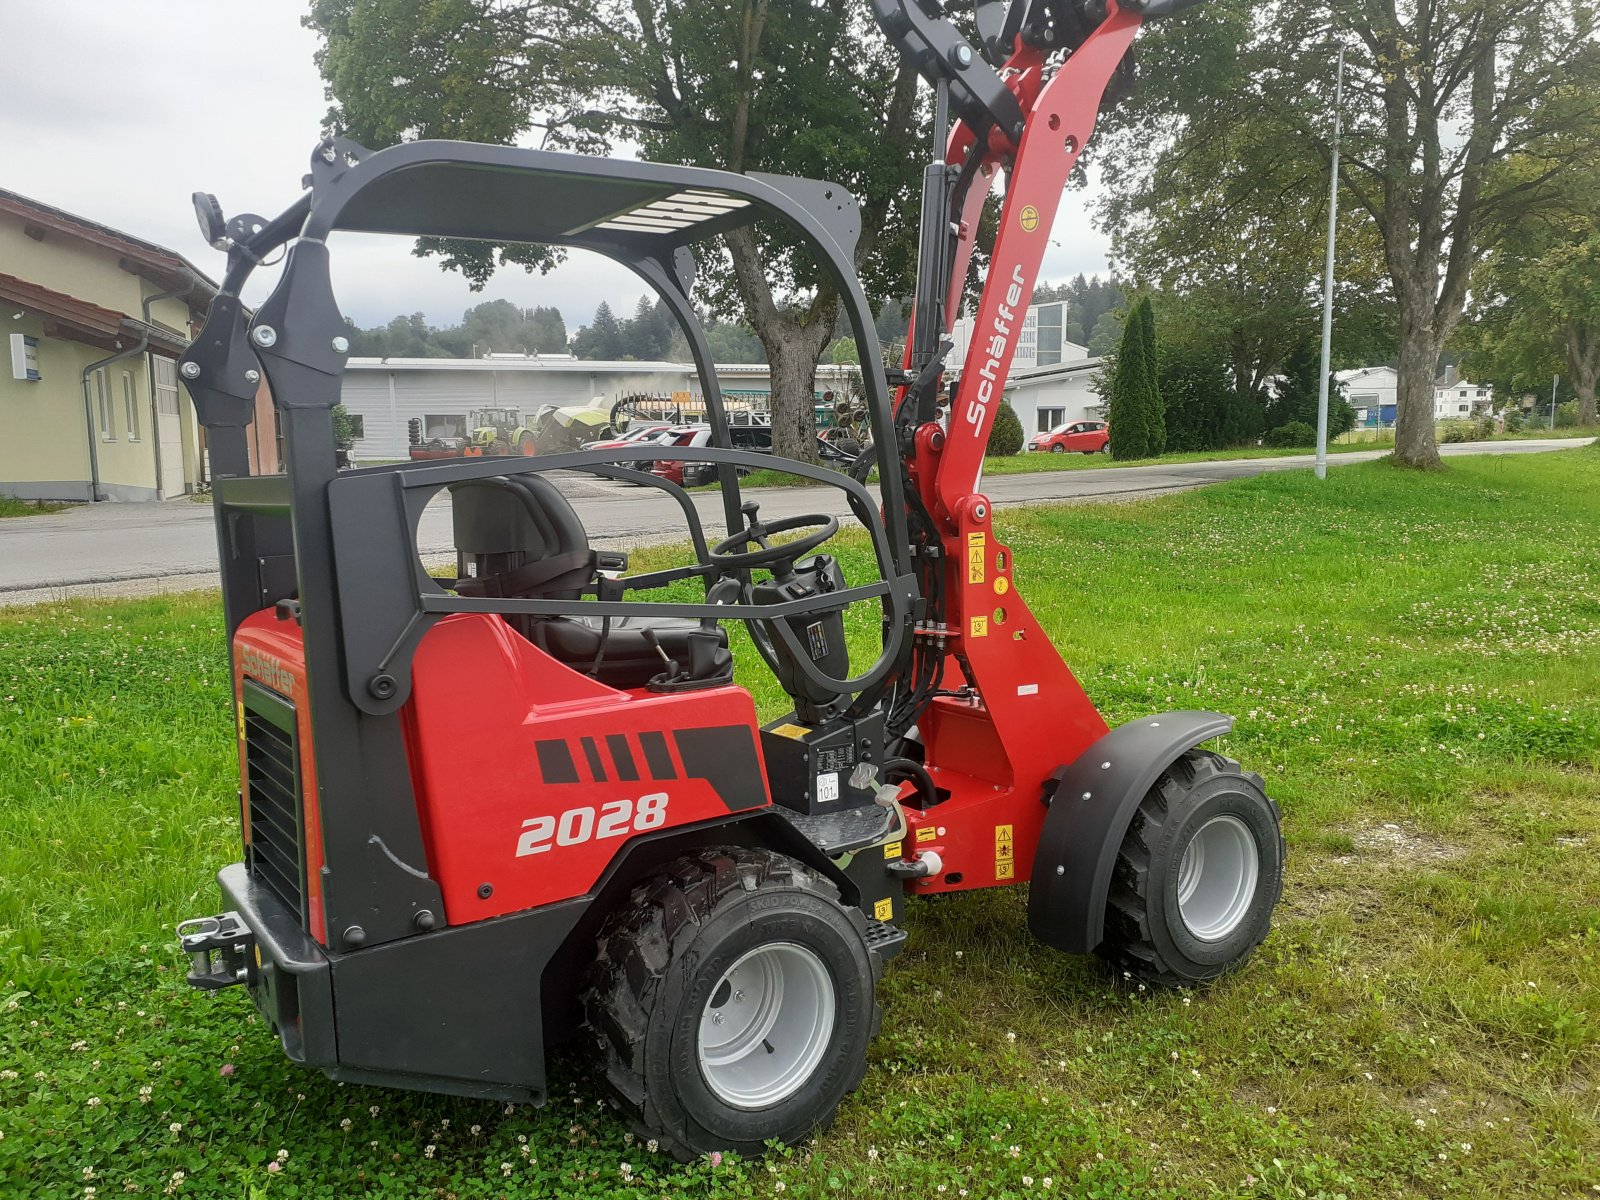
(523, 540)
(629, 660)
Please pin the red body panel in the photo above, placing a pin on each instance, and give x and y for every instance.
(529, 776)
(503, 737)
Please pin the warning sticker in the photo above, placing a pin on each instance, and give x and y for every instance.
(1005, 855)
(892, 850)
(976, 556)
(980, 626)
(1029, 218)
(789, 731)
(883, 910)
(1002, 585)
(928, 834)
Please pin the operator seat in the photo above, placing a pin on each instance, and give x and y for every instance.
(518, 537)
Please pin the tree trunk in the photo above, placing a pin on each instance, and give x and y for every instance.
(792, 352)
(1583, 358)
(1414, 444)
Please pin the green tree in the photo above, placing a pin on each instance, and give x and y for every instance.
(602, 338)
(1155, 417)
(1005, 435)
(843, 350)
(1439, 92)
(1195, 390)
(1138, 427)
(803, 87)
(1537, 297)
(1295, 395)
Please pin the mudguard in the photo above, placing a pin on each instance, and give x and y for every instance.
(1092, 801)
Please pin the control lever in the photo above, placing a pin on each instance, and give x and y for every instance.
(673, 673)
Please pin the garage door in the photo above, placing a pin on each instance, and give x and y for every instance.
(169, 427)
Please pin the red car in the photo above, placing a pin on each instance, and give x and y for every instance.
(1086, 437)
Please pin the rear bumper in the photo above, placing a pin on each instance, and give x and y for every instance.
(292, 984)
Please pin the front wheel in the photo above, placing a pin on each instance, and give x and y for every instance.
(1198, 874)
(732, 1001)
(1058, 448)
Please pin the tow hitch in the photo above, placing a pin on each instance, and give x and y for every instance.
(222, 950)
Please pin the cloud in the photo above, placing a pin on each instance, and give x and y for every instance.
(118, 112)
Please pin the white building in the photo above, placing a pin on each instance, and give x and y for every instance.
(1460, 400)
(382, 395)
(1372, 392)
(1046, 397)
(1039, 344)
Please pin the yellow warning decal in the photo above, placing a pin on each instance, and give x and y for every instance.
(892, 850)
(1005, 854)
(976, 556)
(1002, 585)
(1029, 218)
(928, 834)
(789, 731)
(883, 910)
(241, 720)
(980, 626)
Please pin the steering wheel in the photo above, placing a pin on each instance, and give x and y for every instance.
(726, 556)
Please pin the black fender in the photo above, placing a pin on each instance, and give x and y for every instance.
(1092, 801)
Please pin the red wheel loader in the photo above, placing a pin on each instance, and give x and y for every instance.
(486, 813)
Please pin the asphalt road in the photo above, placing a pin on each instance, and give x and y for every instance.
(125, 549)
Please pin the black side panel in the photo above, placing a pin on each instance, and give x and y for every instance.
(725, 757)
(460, 1004)
(1090, 809)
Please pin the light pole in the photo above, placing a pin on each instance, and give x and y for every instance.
(1327, 282)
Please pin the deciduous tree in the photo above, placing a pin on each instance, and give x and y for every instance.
(1438, 93)
(805, 88)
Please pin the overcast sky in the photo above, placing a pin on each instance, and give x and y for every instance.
(117, 112)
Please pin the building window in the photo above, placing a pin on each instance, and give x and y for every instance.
(102, 404)
(1461, 407)
(1049, 335)
(166, 387)
(130, 405)
(1049, 418)
(358, 425)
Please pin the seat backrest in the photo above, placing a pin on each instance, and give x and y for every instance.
(506, 522)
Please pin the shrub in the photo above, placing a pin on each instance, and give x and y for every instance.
(1459, 431)
(1567, 415)
(1295, 433)
(1005, 436)
(1514, 420)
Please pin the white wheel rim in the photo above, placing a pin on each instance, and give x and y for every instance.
(1217, 878)
(766, 1025)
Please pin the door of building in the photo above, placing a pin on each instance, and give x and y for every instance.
(169, 427)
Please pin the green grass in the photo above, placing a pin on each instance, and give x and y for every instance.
(11, 506)
(1413, 660)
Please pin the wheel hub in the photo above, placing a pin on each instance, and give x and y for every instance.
(1217, 878)
(767, 1025)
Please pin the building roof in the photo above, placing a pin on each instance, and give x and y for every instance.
(1053, 371)
(81, 320)
(584, 366)
(160, 266)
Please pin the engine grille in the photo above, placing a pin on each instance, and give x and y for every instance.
(276, 853)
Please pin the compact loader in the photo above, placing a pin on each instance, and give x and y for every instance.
(482, 814)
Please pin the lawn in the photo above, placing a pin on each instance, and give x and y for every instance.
(11, 506)
(1414, 662)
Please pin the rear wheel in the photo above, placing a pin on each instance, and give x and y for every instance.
(1198, 875)
(732, 1000)
(527, 446)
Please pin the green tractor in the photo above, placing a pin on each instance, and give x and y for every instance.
(497, 431)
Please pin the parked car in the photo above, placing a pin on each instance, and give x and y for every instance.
(1084, 437)
(647, 432)
(757, 438)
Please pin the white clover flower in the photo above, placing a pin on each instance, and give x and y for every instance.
(92, 1102)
